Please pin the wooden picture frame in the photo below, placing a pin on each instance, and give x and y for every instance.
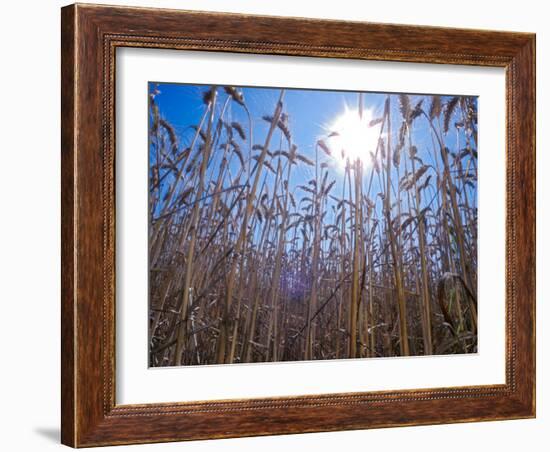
(90, 36)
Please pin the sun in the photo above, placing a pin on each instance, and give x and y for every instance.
(351, 137)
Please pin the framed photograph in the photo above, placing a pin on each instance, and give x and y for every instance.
(282, 225)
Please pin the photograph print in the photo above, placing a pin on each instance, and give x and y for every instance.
(298, 225)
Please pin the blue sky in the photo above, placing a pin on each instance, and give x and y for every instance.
(311, 113)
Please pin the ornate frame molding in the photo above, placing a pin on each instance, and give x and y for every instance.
(90, 36)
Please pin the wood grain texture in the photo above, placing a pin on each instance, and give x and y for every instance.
(67, 226)
(90, 36)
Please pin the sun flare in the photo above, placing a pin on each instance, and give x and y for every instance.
(352, 137)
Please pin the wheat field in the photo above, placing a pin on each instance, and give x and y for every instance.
(291, 225)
